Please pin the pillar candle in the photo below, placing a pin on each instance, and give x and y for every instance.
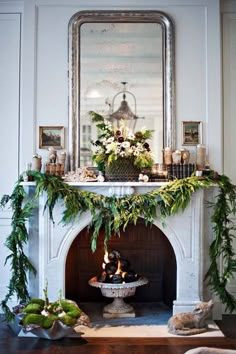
(201, 157)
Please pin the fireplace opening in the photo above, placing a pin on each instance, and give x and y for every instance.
(148, 250)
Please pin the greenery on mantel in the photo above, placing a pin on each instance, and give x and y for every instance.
(115, 213)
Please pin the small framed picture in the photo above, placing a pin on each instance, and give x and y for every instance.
(191, 133)
(51, 136)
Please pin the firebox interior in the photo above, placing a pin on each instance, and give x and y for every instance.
(149, 252)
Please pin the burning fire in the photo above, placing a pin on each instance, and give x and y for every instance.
(116, 269)
(119, 271)
(105, 260)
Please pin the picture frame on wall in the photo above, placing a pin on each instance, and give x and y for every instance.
(51, 136)
(191, 132)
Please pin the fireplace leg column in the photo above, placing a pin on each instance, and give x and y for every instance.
(118, 308)
(184, 306)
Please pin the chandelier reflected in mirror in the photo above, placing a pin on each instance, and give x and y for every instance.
(124, 112)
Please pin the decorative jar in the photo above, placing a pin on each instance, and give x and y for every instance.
(36, 163)
(176, 156)
(185, 156)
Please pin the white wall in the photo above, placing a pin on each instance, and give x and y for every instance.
(45, 86)
(229, 94)
(229, 89)
(10, 47)
(44, 56)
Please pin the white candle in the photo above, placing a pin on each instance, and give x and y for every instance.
(167, 156)
(201, 157)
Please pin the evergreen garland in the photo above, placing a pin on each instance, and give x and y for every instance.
(115, 214)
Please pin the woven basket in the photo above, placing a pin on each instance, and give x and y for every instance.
(122, 169)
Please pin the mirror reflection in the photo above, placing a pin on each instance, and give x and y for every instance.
(116, 53)
(116, 60)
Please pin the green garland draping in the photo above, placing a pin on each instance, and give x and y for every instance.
(115, 213)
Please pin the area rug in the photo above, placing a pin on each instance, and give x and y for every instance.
(150, 321)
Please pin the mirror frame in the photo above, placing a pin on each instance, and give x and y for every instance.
(168, 55)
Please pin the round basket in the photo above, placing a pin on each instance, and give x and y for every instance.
(122, 169)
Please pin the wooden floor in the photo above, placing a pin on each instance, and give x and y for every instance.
(10, 344)
(110, 345)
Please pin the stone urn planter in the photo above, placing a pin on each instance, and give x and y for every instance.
(118, 308)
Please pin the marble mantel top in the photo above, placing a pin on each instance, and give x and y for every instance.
(107, 184)
(118, 189)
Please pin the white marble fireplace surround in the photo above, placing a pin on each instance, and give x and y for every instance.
(189, 233)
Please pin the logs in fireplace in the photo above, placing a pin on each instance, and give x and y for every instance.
(117, 269)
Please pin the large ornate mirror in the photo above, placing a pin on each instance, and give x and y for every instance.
(106, 49)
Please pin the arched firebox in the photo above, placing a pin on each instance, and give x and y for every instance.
(149, 252)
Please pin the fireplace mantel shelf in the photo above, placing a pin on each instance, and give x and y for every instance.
(108, 184)
(118, 189)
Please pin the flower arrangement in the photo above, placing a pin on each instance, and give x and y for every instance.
(113, 144)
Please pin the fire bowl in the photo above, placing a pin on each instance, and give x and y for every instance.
(118, 308)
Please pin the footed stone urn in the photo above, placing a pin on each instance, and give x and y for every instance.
(118, 308)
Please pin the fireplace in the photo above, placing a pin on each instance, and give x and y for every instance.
(57, 254)
(149, 252)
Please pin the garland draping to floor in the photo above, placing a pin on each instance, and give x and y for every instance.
(114, 214)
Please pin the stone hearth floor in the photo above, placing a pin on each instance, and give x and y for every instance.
(150, 321)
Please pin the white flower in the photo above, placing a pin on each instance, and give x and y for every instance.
(111, 139)
(143, 178)
(125, 132)
(143, 130)
(103, 141)
(130, 136)
(107, 124)
(125, 144)
(139, 147)
(111, 147)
